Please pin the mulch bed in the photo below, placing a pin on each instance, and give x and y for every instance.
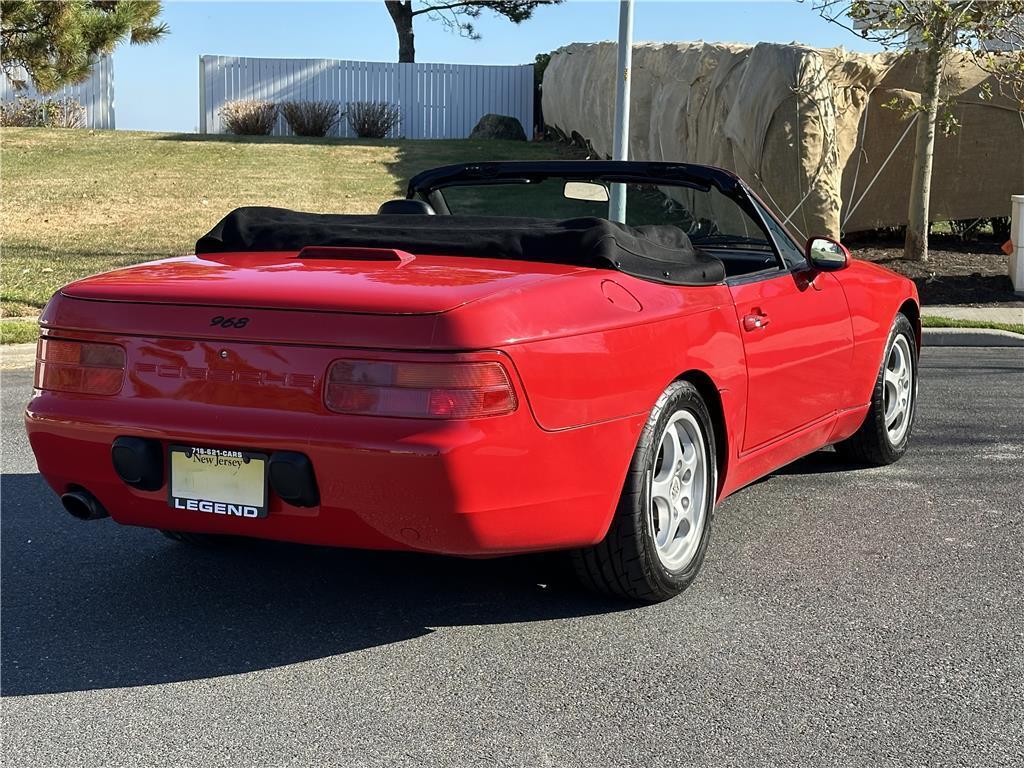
(969, 273)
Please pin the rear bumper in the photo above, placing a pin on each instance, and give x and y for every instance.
(481, 487)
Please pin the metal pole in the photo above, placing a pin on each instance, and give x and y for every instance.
(202, 94)
(620, 144)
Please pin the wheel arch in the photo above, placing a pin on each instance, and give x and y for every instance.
(708, 391)
(912, 311)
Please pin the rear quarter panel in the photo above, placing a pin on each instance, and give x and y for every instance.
(592, 352)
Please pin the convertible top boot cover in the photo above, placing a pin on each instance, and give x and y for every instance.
(662, 254)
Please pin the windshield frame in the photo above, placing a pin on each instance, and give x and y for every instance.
(428, 185)
(613, 171)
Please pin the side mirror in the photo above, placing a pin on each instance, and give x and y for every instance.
(827, 254)
(590, 191)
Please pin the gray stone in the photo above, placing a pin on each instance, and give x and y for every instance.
(499, 127)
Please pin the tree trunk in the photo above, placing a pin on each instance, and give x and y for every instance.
(916, 246)
(401, 14)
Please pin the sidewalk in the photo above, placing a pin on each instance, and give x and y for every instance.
(17, 356)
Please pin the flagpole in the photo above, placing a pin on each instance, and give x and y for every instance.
(620, 142)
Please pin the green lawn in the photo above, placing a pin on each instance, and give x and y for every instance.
(17, 331)
(79, 202)
(947, 322)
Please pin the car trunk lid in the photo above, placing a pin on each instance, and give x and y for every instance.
(377, 281)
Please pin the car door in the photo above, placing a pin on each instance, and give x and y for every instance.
(798, 341)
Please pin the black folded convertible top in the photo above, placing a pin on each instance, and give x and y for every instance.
(660, 253)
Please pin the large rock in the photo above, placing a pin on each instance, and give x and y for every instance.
(499, 127)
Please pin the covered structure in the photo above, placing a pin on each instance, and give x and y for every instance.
(818, 133)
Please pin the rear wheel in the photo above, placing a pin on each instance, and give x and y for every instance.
(883, 437)
(657, 540)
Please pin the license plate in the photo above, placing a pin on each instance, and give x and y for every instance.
(218, 481)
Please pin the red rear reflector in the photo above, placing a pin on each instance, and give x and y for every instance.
(82, 367)
(457, 390)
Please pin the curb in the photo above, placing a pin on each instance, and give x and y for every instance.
(970, 337)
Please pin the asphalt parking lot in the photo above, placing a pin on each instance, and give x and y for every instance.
(844, 617)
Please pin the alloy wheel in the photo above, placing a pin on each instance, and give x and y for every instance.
(898, 395)
(679, 488)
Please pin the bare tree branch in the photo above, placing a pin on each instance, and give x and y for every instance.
(456, 15)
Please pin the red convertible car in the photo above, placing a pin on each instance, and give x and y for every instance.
(486, 367)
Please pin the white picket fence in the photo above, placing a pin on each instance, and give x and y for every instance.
(95, 94)
(436, 101)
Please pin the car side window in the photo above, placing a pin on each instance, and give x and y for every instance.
(792, 255)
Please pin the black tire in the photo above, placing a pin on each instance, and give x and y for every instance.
(205, 540)
(626, 563)
(871, 445)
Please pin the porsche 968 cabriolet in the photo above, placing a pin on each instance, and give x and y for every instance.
(488, 366)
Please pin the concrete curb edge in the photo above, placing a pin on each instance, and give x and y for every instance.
(970, 337)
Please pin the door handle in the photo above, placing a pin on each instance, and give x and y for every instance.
(755, 321)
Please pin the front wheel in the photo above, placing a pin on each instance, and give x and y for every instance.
(656, 542)
(883, 437)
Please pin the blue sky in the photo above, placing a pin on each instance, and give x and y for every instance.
(156, 87)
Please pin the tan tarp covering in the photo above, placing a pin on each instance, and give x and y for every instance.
(805, 127)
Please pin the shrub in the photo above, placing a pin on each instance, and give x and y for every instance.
(965, 229)
(249, 117)
(971, 229)
(373, 119)
(24, 112)
(310, 118)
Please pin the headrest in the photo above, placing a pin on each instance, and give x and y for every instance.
(406, 206)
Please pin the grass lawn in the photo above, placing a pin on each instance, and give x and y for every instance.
(78, 202)
(947, 322)
(15, 330)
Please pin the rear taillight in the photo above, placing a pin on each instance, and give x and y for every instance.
(455, 390)
(82, 367)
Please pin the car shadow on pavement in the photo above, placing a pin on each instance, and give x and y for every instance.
(90, 605)
(822, 462)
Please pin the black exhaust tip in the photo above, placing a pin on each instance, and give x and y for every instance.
(83, 505)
